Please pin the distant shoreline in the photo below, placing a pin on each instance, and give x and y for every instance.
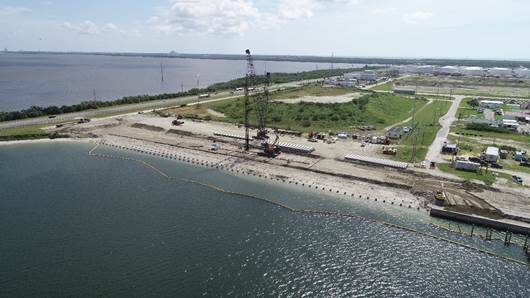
(307, 58)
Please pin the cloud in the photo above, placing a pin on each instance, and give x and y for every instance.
(417, 17)
(90, 28)
(83, 28)
(231, 16)
(11, 11)
(211, 16)
(297, 9)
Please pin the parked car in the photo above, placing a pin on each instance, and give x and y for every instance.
(496, 165)
(517, 179)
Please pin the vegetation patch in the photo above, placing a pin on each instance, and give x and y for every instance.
(414, 146)
(23, 133)
(379, 110)
(487, 177)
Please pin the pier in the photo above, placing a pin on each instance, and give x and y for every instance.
(498, 224)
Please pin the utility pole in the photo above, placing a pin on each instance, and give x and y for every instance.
(161, 72)
(182, 87)
(414, 132)
(94, 94)
(198, 92)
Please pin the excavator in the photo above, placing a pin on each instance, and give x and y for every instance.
(271, 150)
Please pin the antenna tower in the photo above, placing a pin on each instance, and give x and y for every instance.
(249, 79)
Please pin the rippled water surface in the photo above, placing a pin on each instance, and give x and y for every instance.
(74, 225)
(43, 79)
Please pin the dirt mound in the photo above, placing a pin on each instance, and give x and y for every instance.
(147, 127)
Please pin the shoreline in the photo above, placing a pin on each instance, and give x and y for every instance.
(44, 141)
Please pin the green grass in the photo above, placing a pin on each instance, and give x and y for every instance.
(462, 130)
(389, 86)
(23, 133)
(426, 127)
(513, 165)
(380, 110)
(488, 178)
(465, 110)
(311, 90)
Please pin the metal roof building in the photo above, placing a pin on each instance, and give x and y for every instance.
(377, 161)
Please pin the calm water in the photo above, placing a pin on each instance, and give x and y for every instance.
(74, 225)
(43, 80)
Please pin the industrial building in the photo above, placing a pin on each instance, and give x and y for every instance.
(370, 76)
(474, 71)
(500, 72)
(491, 104)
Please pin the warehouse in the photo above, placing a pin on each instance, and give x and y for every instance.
(491, 104)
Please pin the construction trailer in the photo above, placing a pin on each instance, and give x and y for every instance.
(492, 154)
(466, 165)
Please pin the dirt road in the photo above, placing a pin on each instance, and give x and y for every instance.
(434, 153)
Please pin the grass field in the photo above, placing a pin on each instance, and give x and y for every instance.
(488, 178)
(389, 86)
(465, 110)
(462, 130)
(513, 165)
(426, 127)
(380, 110)
(23, 133)
(311, 90)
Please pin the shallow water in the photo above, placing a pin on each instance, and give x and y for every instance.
(76, 225)
(43, 79)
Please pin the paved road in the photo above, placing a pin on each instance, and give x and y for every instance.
(434, 153)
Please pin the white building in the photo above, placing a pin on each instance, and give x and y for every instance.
(491, 104)
(500, 72)
(425, 69)
(449, 70)
(363, 76)
(510, 123)
(475, 71)
(491, 154)
(522, 72)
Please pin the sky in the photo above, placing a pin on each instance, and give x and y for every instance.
(470, 29)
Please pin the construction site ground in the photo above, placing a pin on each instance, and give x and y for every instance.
(325, 169)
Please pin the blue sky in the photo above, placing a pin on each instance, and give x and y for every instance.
(374, 28)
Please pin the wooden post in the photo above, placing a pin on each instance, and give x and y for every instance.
(507, 238)
(472, 229)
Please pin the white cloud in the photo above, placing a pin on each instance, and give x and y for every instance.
(83, 28)
(231, 16)
(211, 16)
(417, 17)
(11, 11)
(90, 28)
(297, 9)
